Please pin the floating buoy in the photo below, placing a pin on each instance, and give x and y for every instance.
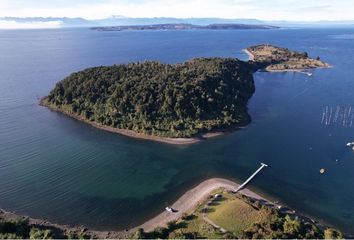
(322, 170)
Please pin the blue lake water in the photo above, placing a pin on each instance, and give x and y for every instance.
(57, 168)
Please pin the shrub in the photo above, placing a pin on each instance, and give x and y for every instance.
(36, 233)
(331, 233)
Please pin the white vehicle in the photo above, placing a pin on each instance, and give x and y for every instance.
(217, 196)
(169, 209)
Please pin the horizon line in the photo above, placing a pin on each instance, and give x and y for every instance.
(161, 17)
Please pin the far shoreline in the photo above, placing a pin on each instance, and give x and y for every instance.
(131, 133)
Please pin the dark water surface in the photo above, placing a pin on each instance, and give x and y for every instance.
(57, 168)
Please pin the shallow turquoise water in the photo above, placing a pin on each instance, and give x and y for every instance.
(57, 168)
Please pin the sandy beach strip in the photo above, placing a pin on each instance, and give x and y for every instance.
(250, 55)
(298, 70)
(192, 198)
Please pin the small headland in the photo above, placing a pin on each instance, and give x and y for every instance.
(275, 59)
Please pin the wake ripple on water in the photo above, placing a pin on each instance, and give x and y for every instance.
(343, 36)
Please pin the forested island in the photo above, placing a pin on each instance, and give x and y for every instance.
(185, 26)
(273, 58)
(155, 99)
(177, 104)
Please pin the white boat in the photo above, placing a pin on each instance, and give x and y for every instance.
(349, 144)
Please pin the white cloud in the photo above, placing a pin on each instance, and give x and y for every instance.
(260, 9)
(29, 25)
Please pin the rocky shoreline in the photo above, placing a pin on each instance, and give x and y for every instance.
(131, 133)
(61, 231)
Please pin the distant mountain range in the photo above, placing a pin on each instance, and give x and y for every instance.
(185, 26)
(125, 21)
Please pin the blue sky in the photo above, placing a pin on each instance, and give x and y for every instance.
(293, 10)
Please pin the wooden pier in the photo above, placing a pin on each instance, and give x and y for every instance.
(251, 177)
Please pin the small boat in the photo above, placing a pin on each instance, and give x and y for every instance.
(349, 144)
(322, 170)
(169, 209)
(309, 74)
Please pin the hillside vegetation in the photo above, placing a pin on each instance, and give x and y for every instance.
(21, 228)
(158, 99)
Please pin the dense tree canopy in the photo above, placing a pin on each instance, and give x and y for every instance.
(167, 100)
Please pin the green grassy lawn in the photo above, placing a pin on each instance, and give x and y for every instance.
(229, 212)
(235, 215)
(195, 225)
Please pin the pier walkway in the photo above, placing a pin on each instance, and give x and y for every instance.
(251, 177)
